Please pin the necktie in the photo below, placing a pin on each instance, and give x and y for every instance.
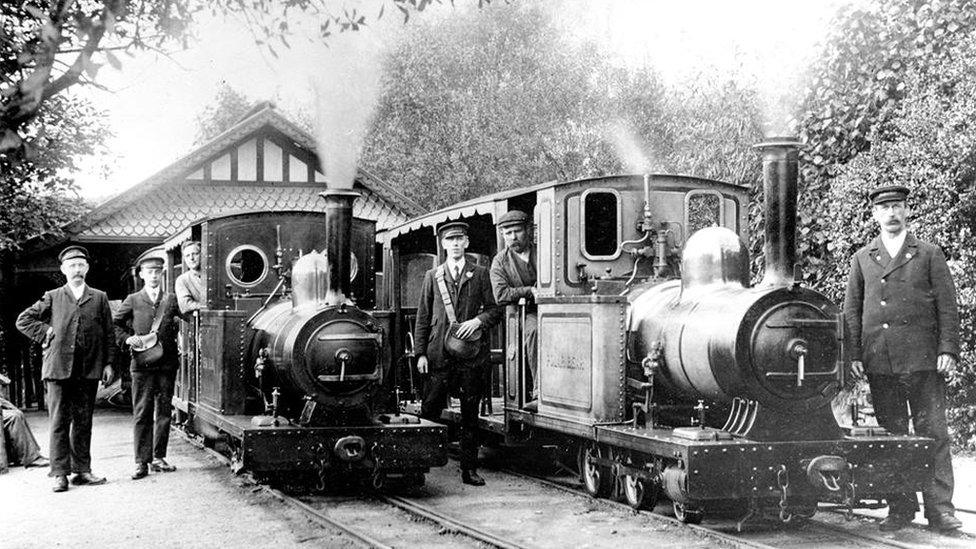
(457, 274)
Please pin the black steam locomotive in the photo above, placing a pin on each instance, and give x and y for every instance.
(287, 364)
(668, 372)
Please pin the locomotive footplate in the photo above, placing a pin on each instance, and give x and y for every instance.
(864, 467)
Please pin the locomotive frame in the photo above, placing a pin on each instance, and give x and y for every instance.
(606, 247)
(248, 261)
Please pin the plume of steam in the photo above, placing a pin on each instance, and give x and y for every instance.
(628, 147)
(346, 82)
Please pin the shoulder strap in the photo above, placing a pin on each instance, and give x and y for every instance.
(445, 296)
(158, 318)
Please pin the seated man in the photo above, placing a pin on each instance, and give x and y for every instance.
(22, 447)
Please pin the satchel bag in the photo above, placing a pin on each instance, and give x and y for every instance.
(454, 346)
(150, 349)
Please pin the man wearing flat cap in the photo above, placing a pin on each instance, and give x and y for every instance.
(455, 313)
(144, 319)
(513, 279)
(73, 324)
(903, 322)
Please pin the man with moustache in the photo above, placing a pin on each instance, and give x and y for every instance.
(73, 324)
(512, 278)
(189, 286)
(461, 290)
(149, 311)
(902, 318)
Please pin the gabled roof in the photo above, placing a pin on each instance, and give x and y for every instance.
(189, 188)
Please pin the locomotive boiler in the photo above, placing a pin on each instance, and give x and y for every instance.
(662, 368)
(287, 364)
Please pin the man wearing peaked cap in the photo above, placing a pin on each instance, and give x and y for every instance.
(513, 279)
(455, 313)
(145, 318)
(73, 324)
(903, 322)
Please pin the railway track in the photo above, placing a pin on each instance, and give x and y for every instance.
(771, 534)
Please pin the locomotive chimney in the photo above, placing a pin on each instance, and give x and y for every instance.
(338, 215)
(779, 212)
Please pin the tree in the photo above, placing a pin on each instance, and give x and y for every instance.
(481, 104)
(37, 193)
(227, 108)
(856, 86)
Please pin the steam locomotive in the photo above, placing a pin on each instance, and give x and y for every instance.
(287, 365)
(662, 368)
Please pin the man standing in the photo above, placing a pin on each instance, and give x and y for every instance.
(456, 299)
(145, 318)
(513, 278)
(902, 318)
(73, 324)
(189, 285)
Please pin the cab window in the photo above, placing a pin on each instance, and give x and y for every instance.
(601, 224)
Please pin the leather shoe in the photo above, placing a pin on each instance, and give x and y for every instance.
(159, 465)
(142, 471)
(41, 461)
(945, 522)
(87, 478)
(893, 523)
(471, 477)
(60, 483)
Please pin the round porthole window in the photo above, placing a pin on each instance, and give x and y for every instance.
(247, 265)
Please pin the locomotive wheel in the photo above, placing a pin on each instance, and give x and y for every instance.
(688, 514)
(639, 492)
(596, 480)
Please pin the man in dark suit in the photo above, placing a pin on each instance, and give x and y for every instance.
(513, 278)
(469, 294)
(73, 324)
(904, 327)
(150, 310)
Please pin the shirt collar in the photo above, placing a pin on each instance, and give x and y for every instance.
(455, 265)
(152, 293)
(893, 243)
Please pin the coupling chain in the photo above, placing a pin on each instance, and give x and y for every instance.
(783, 480)
(849, 499)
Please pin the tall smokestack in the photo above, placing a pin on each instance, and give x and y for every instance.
(338, 220)
(779, 211)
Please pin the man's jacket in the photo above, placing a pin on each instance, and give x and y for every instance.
(135, 317)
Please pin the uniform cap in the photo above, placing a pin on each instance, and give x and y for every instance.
(151, 263)
(888, 193)
(73, 252)
(454, 228)
(513, 217)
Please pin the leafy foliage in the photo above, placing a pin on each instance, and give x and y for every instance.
(477, 105)
(227, 108)
(36, 192)
(924, 138)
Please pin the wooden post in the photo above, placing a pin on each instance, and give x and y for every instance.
(4, 460)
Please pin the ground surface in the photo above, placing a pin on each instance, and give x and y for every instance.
(203, 504)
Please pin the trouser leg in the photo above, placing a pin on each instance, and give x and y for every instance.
(470, 381)
(435, 397)
(82, 408)
(530, 333)
(143, 406)
(164, 413)
(59, 410)
(890, 399)
(21, 441)
(927, 399)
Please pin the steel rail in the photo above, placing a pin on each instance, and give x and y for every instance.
(701, 530)
(449, 522)
(728, 538)
(408, 506)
